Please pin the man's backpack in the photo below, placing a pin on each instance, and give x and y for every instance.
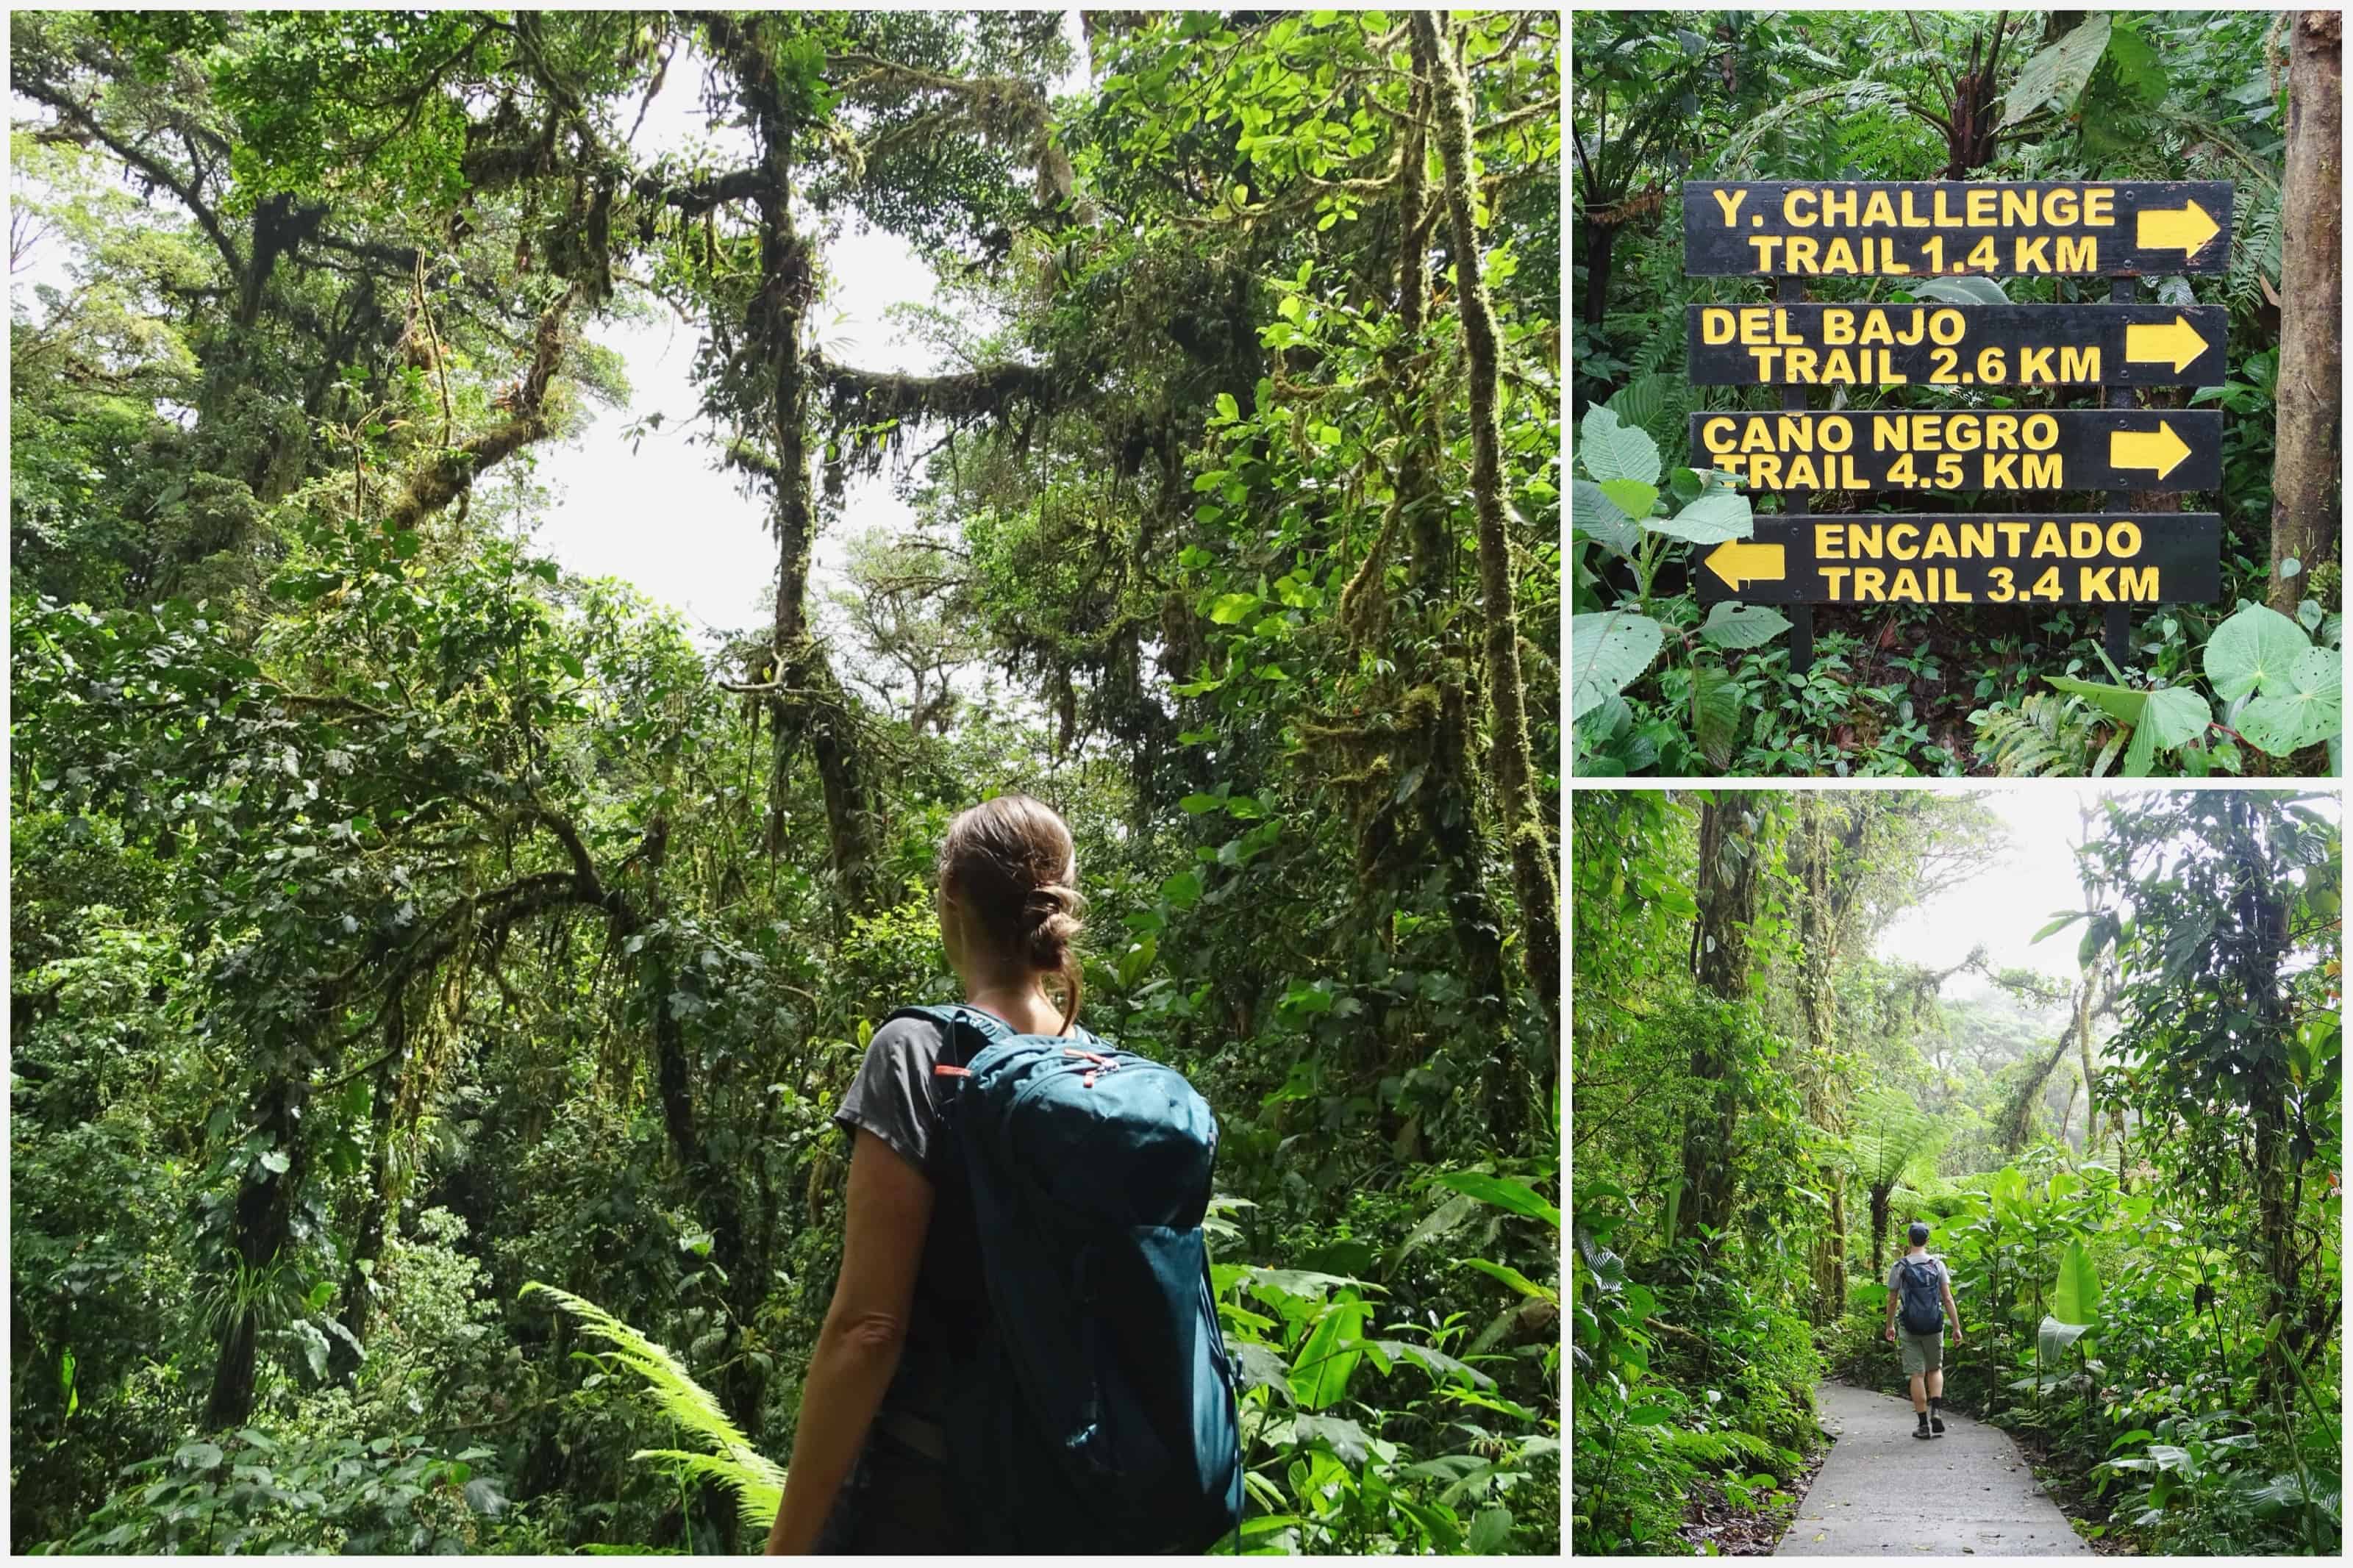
(1924, 1303)
(1096, 1410)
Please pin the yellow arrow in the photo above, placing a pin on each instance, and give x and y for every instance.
(2160, 449)
(2186, 228)
(1738, 563)
(2158, 343)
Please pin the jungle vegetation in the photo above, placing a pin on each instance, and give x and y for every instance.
(2130, 1155)
(2247, 684)
(401, 921)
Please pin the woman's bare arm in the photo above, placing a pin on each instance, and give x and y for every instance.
(865, 1328)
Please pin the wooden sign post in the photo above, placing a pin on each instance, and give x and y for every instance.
(1913, 232)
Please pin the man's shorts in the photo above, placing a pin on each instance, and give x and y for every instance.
(1923, 1353)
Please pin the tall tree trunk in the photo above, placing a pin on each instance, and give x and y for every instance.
(1729, 850)
(262, 1227)
(1601, 260)
(2305, 500)
(1533, 876)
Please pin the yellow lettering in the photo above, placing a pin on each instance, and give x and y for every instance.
(2039, 474)
(2013, 536)
(1839, 255)
(1902, 540)
(2080, 253)
(2084, 540)
(1802, 476)
(1838, 326)
(1838, 206)
(1945, 327)
(1875, 328)
(1764, 358)
(1756, 324)
(2059, 208)
(1755, 436)
(1906, 586)
(1981, 200)
(2033, 364)
(1716, 435)
(2092, 583)
(2123, 539)
(1867, 581)
(2049, 542)
(1939, 543)
(1944, 217)
(2138, 583)
(1829, 539)
(1912, 219)
(1863, 539)
(1793, 435)
(1837, 366)
(1875, 211)
(1716, 324)
(1976, 539)
(1765, 472)
(2079, 364)
(1836, 577)
(1767, 246)
(1800, 251)
(2001, 474)
(1730, 202)
(2099, 208)
(2033, 255)
(2042, 432)
(2018, 208)
(1836, 434)
(1791, 214)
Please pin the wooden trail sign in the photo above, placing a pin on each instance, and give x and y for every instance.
(1930, 345)
(1951, 558)
(1932, 228)
(1793, 231)
(1955, 450)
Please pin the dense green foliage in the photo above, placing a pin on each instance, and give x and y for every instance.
(2144, 1251)
(1663, 96)
(399, 920)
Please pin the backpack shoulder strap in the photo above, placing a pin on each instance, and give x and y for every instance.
(968, 1031)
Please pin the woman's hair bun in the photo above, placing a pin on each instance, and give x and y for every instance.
(1011, 862)
(1054, 925)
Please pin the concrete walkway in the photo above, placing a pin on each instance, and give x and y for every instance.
(1883, 1492)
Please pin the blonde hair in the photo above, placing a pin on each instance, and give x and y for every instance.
(1010, 861)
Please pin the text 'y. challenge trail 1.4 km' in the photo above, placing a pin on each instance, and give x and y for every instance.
(1923, 329)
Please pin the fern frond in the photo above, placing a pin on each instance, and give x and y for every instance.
(759, 1483)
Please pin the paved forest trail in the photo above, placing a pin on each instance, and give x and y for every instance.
(1883, 1492)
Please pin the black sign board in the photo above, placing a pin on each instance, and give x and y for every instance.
(2113, 559)
(1930, 345)
(1929, 228)
(1956, 449)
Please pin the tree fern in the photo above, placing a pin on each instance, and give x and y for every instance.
(2047, 734)
(759, 1483)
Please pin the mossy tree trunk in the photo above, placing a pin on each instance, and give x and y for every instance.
(2305, 505)
(1533, 875)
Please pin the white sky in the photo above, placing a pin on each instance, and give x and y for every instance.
(2021, 888)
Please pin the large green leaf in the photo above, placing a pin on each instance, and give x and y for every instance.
(1959, 290)
(2077, 1299)
(1711, 519)
(1608, 652)
(1513, 1195)
(2055, 1337)
(2255, 648)
(1599, 518)
(1612, 450)
(2305, 708)
(1742, 626)
(1320, 1373)
(2056, 77)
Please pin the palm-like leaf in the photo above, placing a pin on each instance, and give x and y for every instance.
(759, 1483)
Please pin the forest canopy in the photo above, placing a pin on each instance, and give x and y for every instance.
(401, 919)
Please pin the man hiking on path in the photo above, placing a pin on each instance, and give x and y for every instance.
(1920, 1293)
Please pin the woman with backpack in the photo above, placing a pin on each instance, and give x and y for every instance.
(928, 1424)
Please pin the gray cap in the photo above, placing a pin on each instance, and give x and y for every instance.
(1919, 1232)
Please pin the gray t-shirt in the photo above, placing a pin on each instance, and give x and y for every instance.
(1895, 1278)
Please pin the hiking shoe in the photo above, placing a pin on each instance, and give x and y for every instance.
(1937, 1424)
(1922, 1430)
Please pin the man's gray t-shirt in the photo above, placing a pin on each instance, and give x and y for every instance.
(1895, 1283)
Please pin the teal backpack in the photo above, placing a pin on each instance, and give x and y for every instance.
(1096, 1410)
